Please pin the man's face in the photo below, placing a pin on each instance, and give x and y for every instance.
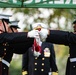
(9, 30)
(2, 26)
(74, 27)
(14, 29)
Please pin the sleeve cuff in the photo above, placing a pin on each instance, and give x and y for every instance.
(24, 72)
(54, 73)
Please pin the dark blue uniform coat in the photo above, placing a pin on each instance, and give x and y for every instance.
(40, 65)
(12, 43)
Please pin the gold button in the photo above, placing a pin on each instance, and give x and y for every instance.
(35, 69)
(43, 58)
(42, 64)
(5, 44)
(35, 57)
(42, 69)
(73, 66)
(4, 49)
(35, 63)
(4, 53)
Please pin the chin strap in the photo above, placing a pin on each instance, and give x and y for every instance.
(1, 31)
(4, 25)
(12, 29)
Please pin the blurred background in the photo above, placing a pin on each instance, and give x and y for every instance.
(58, 19)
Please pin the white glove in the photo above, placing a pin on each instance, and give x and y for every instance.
(37, 54)
(49, 73)
(43, 34)
(33, 34)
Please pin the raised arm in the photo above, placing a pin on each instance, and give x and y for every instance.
(18, 37)
(59, 37)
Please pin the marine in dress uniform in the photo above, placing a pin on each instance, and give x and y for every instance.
(13, 26)
(9, 39)
(68, 61)
(44, 64)
(65, 38)
(8, 57)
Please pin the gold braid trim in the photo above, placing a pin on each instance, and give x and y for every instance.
(24, 73)
(54, 73)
